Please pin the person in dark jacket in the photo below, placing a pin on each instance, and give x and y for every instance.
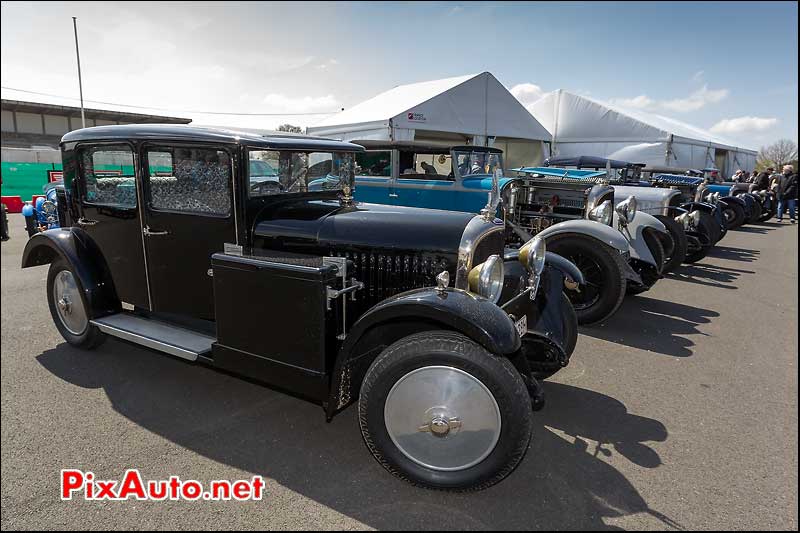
(787, 193)
(762, 179)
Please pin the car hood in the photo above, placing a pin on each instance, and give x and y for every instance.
(324, 222)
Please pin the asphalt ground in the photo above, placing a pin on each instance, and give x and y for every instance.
(680, 412)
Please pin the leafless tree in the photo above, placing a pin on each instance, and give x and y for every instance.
(290, 128)
(777, 154)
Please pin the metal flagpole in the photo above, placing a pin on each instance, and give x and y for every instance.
(80, 83)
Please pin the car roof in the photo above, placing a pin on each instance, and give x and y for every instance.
(181, 132)
(588, 161)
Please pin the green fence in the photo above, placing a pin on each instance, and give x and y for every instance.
(25, 179)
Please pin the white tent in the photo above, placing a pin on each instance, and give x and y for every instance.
(582, 126)
(475, 109)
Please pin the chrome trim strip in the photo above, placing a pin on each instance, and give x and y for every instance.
(139, 180)
(477, 229)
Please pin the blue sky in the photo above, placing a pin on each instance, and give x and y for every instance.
(730, 67)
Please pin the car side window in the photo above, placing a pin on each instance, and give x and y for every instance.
(108, 176)
(374, 163)
(189, 180)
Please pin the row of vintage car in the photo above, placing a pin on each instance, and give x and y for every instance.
(420, 282)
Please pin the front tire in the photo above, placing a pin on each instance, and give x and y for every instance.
(68, 308)
(734, 215)
(440, 411)
(570, 323)
(680, 247)
(649, 273)
(602, 268)
(708, 227)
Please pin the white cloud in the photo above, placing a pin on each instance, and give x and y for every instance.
(527, 93)
(697, 100)
(743, 125)
(280, 103)
(697, 77)
(639, 102)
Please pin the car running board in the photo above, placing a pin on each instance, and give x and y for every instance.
(157, 335)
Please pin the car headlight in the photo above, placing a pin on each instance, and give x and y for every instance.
(532, 255)
(603, 213)
(486, 279)
(626, 209)
(695, 216)
(684, 220)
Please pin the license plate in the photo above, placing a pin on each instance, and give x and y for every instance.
(522, 325)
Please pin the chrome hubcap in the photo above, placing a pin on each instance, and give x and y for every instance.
(69, 305)
(442, 418)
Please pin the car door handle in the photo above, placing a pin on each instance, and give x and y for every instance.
(153, 233)
(86, 222)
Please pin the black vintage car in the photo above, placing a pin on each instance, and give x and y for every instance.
(170, 240)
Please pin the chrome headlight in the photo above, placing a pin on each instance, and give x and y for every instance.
(486, 279)
(603, 213)
(626, 209)
(695, 218)
(684, 220)
(532, 255)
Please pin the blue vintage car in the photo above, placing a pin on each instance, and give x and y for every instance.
(43, 214)
(461, 178)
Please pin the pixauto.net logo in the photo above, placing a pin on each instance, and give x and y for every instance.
(132, 486)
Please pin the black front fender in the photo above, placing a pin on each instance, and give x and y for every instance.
(411, 312)
(80, 253)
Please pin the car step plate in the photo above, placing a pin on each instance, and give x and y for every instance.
(157, 335)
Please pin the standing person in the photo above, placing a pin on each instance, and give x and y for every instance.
(787, 193)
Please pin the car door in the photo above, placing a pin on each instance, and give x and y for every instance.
(188, 215)
(110, 215)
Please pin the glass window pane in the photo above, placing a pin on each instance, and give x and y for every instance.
(193, 180)
(108, 176)
(279, 172)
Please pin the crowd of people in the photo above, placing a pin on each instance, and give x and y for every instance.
(783, 184)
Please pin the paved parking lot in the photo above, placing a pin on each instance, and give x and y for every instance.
(680, 412)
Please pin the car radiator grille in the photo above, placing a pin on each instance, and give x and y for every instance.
(388, 273)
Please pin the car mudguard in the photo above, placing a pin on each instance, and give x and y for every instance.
(698, 206)
(634, 234)
(603, 233)
(552, 259)
(410, 312)
(85, 261)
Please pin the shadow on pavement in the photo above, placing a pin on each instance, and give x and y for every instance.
(709, 275)
(733, 254)
(563, 483)
(654, 325)
(754, 228)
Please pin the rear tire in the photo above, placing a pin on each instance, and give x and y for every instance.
(680, 247)
(602, 267)
(484, 392)
(68, 308)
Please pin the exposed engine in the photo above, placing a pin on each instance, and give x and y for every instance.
(535, 202)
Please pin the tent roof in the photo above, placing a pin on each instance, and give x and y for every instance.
(575, 118)
(476, 104)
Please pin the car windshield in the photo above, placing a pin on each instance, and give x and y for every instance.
(476, 162)
(287, 171)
